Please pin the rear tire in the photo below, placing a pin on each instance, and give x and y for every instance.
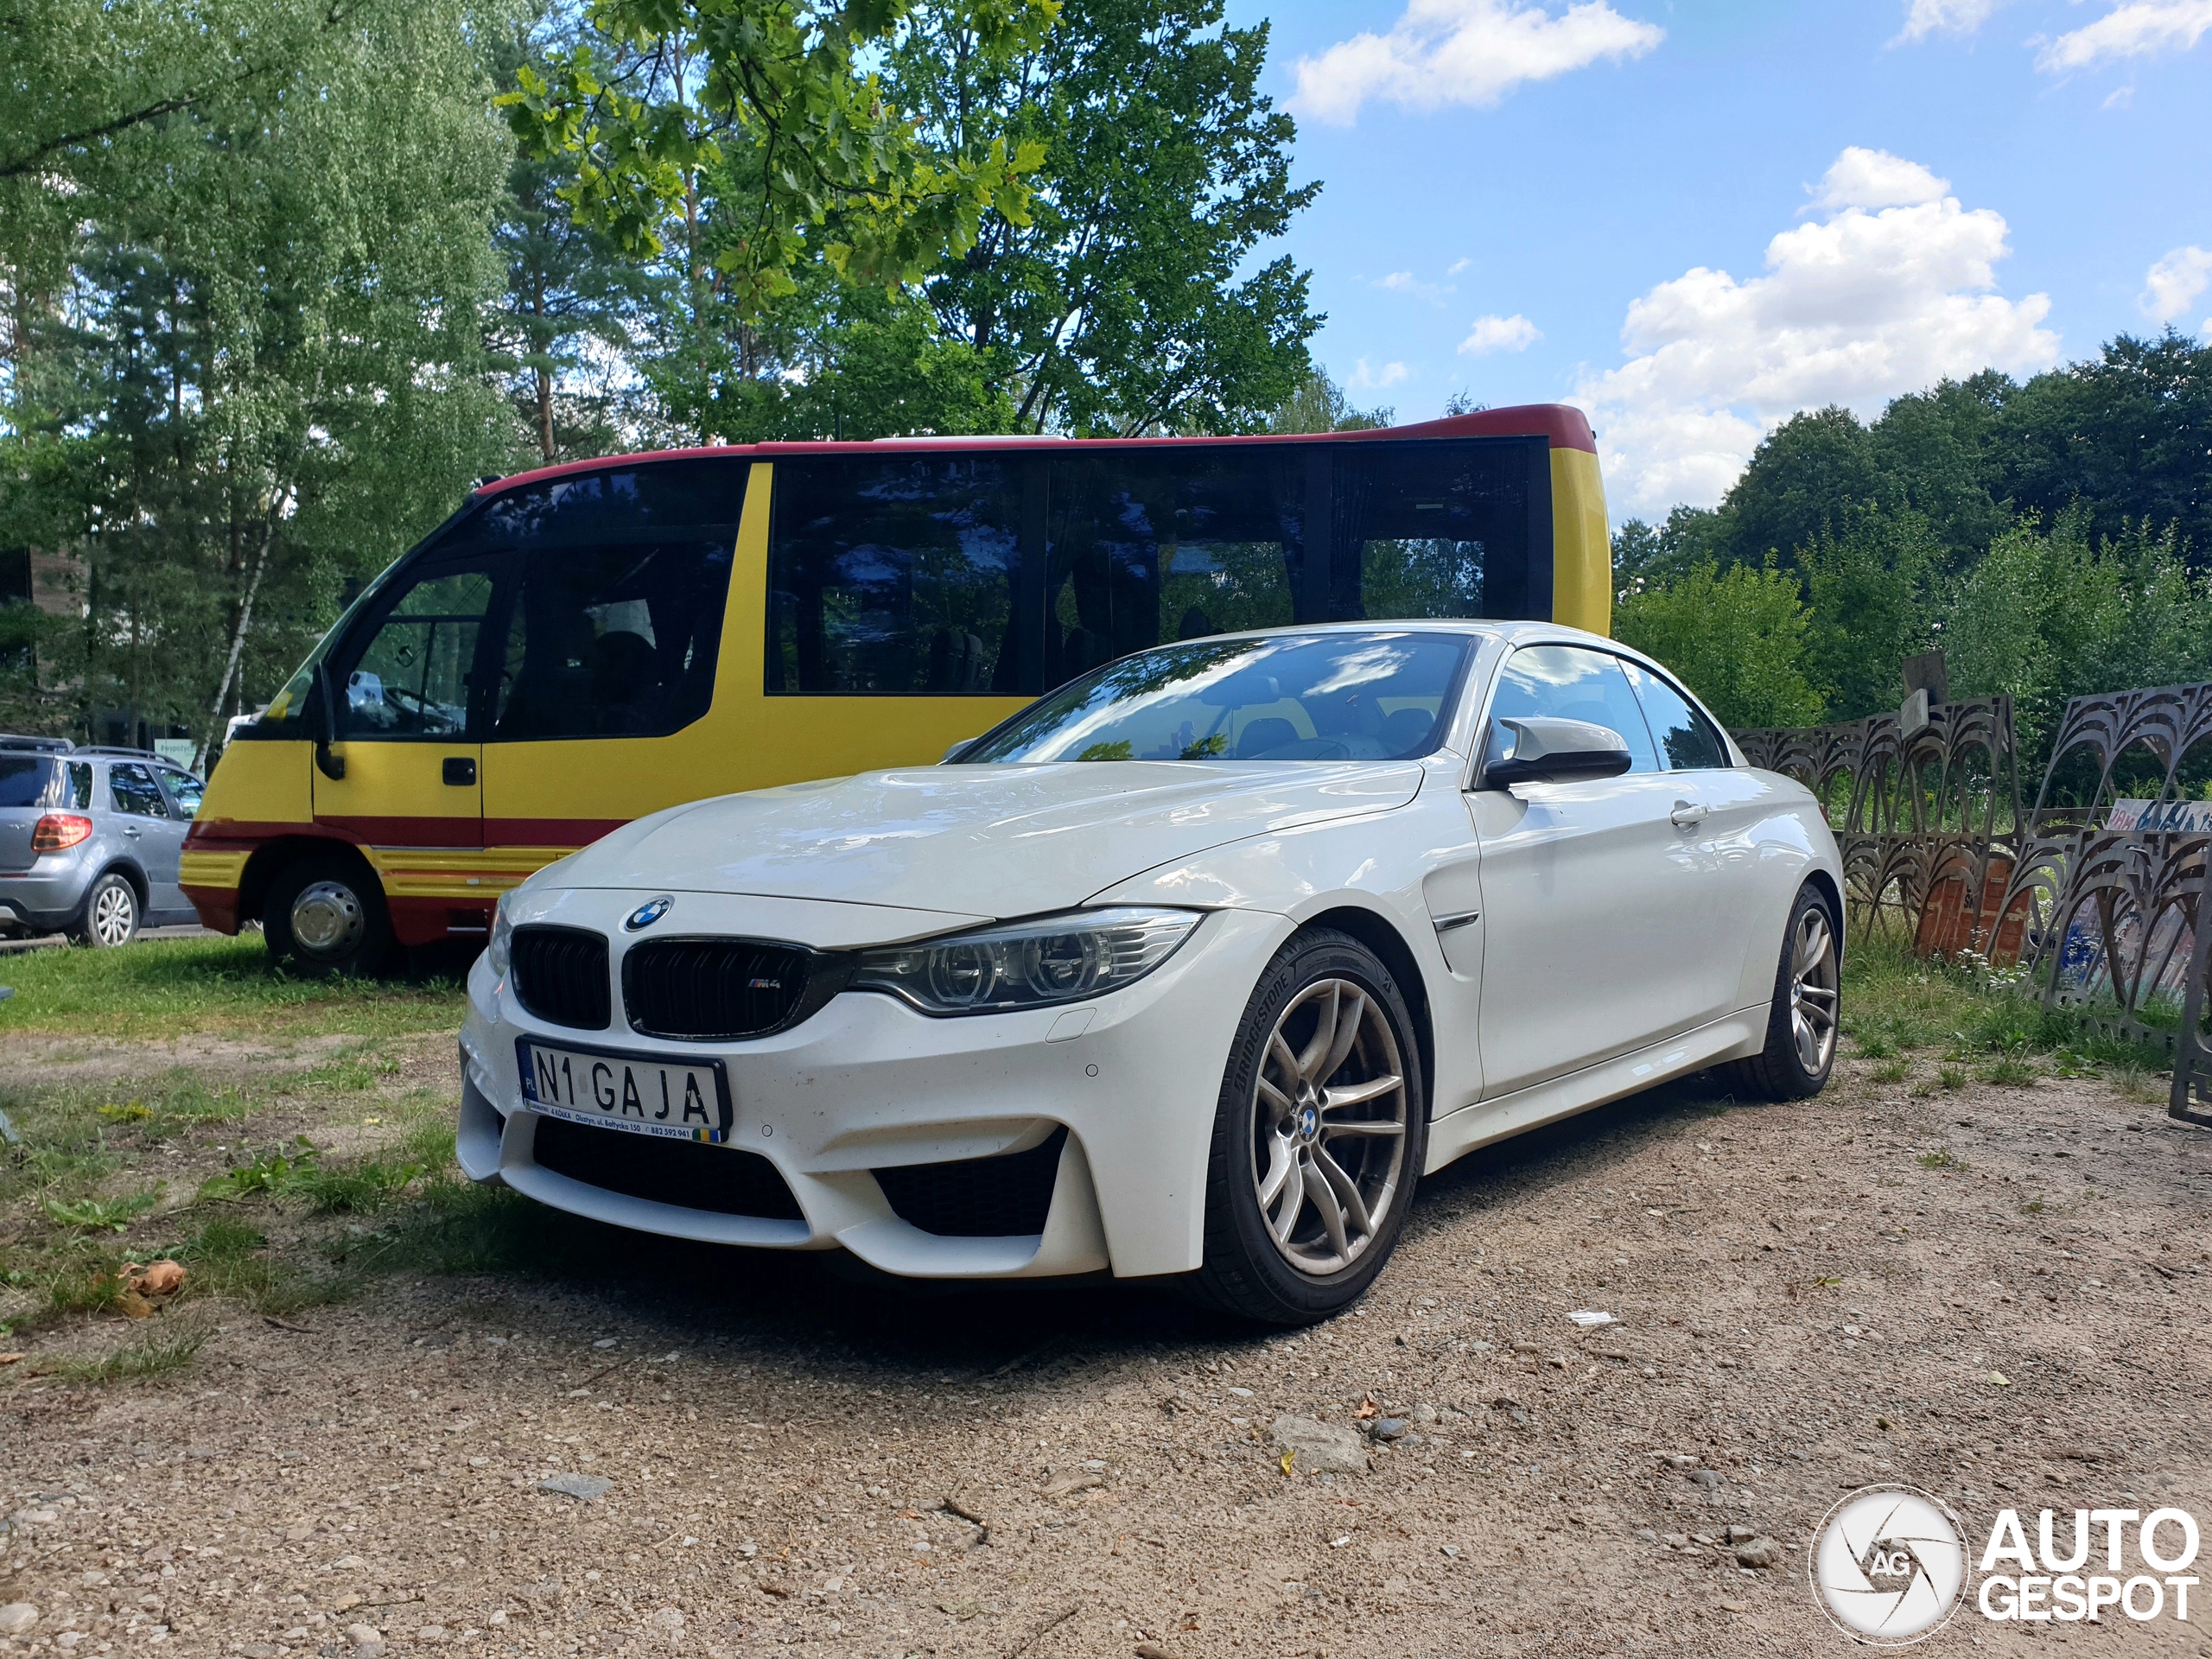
(325, 916)
(1803, 1019)
(111, 913)
(1318, 1136)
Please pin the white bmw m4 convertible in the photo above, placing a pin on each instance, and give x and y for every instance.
(1193, 968)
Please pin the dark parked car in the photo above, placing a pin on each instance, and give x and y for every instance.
(90, 838)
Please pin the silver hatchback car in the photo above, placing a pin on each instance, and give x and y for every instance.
(90, 839)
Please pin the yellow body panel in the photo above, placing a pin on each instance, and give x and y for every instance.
(1582, 552)
(261, 783)
(212, 869)
(403, 780)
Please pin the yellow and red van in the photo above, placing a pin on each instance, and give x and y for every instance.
(581, 645)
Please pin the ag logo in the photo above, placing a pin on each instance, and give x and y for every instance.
(648, 913)
(1887, 1565)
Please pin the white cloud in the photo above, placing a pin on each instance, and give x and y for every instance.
(2139, 28)
(1513, 334)
(1404, 282)
(1926, 17)
(1882, 296)
(1874, 178)
(1471, 52)
(1365, 378)
(1457, 266)
(2172, 285)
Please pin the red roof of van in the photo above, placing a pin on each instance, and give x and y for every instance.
(1567, 427)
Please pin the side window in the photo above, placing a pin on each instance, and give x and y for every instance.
(79, 787)
(1145, 547)
(1685, 737)
(410, 675)
(893, 577)
(1568, 683)
(612, 641)
(1434, 529)
(132, 788)
(185, 792)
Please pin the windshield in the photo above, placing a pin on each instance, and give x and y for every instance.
(1326, 697)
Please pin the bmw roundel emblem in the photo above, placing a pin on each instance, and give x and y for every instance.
(649, 913)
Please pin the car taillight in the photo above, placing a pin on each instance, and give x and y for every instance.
(59, 829)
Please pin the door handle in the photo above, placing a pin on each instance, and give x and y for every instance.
(1686, 815)
(132, 830)
(460, 770)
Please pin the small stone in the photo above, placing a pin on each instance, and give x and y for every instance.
(1320, 1447)
(1424, 1415)
(1647, 1536)
(606, 1342)
(1388, 1428)
(430, 1635)
(670, 1618)
(586, 1487)
(1676, 1540)
(1758, 1552)
(298, 1535)
(16, 1618)
(94, 1579)
(362, 1635)
(1678, 1460)
(1707, 1478)
(1741, 1534)
(347, 1564)
(1735, 1607)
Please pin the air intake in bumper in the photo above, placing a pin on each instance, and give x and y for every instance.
(723, 1180)
(1005, 1197)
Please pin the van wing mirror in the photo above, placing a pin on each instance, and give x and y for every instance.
(330, 765)
(1535, 750)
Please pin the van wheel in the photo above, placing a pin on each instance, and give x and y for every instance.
(1318, 1136)
(326, 916)
(110, 913)
(1801, 1021)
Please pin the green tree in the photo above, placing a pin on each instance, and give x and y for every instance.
(1649, 556)
(1869, 588)
(1801, 478)
(268, 369)
(1316, 403)
(1123, 299)
(1936, 451)
(1737, 637)
(772, 92)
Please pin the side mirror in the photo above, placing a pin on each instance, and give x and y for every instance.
(331, 765)
(954, 753)
(1542, 751)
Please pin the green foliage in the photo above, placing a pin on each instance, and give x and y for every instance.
(1803, 478)
(102, 1215)
(1316, 403)
(1737, 637)
(150, 1355)
(1868, 587)
(1125, 298)
(271, 1171)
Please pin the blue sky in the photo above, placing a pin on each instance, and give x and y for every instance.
(1693, 219)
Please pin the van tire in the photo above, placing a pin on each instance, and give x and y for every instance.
(112, 915)
(324, 917)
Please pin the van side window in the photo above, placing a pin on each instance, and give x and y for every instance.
(1145, 547)
(616, 640)
(893, 577)
(410, 677)
(134, 790)
(1438, 528)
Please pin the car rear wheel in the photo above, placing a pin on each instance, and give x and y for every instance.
(324, 916)
(1319, 1135)
(1801, 1021)
(110, 913)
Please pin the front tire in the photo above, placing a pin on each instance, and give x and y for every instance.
(325, 916)
(1801, 1021)
(1318, 1136)
(110, 916)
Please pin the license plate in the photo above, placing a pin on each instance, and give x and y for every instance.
(678, 1099)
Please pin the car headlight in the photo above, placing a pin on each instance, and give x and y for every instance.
(1027, 964)
(503, 936)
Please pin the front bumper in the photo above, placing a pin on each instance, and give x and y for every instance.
(869, 1083)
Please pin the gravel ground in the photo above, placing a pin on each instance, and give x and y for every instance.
(1811, 1298)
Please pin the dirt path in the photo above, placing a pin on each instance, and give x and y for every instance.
(1811, 1298)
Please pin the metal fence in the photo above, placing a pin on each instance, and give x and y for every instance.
(2101, 897)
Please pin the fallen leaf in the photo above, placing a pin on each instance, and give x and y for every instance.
(1288, 1458)
(2000, 1379)
(9, 1359)
(159, 1278)
(1367, 1407)
(133, 1305)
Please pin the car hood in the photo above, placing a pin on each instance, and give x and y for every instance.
(976, 840)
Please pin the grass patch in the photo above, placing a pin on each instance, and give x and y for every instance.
(349, 1074)
(102, 1215)
(2012, 1072)
(1943, 1158)
(1892, 1071)
(228, 1258)
(1952, 1077)
(151, 1355)
(164, 988)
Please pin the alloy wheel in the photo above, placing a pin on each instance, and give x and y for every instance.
(115, 914)
(1812, 991)
(329, 921)
(1328, 1127)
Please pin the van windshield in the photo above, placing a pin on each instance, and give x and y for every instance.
(1377, 695)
